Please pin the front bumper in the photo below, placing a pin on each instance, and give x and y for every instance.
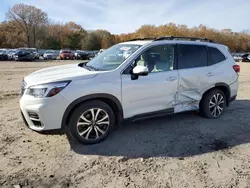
(82, 56)
(24, 58)
(41, 114)
(49, 57)
(66, 57)
(3, 57)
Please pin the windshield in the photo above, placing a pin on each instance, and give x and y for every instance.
(23, 50)
(80, 51)
(49, 51)
(2, 51)
(113, 57)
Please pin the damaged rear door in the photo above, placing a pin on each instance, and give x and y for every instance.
(192, 71)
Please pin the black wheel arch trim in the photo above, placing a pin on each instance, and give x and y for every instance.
(225, 85)
(222, 84)
(92, 97)
(228, 88)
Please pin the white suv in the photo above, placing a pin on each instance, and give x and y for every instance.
(162, 76)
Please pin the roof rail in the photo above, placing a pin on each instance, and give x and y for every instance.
(185, 38)
(146, 38)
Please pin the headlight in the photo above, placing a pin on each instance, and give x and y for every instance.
(47, 90)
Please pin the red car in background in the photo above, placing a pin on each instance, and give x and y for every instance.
(66, 54)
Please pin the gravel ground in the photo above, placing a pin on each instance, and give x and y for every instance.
(182, 150)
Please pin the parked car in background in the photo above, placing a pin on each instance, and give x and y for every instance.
(50, 54)
(80, 54)
(66, 54)
(25, 54)
(100, 51)
(91, 55)
(35, 51)
(11, 54)
(3, 54)
(96, 53)
(237, 57)
(245, 58)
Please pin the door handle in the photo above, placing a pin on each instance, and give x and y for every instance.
(210, 74)
(171, 78)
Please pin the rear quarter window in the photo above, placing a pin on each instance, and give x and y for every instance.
(215, 56)
(191, 56)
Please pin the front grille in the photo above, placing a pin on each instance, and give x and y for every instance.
(23, 86)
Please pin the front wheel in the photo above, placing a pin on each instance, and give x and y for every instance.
(213, 104)
(91, 122)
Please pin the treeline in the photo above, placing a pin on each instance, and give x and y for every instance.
(55, 36)
(29, 26)
(237, 42)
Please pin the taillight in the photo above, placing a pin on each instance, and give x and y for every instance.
(236, 68)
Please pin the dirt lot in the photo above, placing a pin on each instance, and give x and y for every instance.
(183, 150)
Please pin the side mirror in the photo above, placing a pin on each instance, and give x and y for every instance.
(140, 70)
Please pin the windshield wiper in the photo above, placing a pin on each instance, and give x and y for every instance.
(91, 67)
(88, 67)
(83, 65)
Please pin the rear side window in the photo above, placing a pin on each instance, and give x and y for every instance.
(215, 56)
(191, 56)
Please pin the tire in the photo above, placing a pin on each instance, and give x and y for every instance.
(91, 131)
(209, 108)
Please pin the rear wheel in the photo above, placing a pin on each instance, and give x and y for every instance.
(91, 122)
(213, 104)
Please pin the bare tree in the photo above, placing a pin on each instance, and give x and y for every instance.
(30, 19)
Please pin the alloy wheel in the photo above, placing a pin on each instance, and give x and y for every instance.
(93, 124)
(216, 104)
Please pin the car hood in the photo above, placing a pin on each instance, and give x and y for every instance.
(48, 53)
(59, 73)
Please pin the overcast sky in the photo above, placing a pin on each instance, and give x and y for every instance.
(123, 16)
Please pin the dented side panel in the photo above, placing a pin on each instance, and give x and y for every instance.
(192, 84)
